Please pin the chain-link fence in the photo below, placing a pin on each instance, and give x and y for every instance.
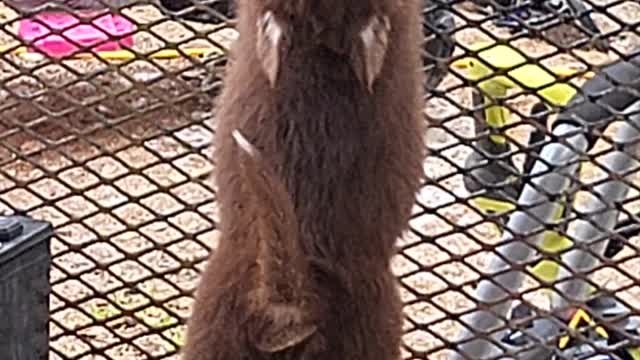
(105, 131)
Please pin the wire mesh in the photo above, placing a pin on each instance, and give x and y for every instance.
(110, 143)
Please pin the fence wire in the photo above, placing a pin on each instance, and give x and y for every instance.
(523, 240)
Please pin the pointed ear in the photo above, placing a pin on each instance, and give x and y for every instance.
(268, 45)
(367, 57)
(282, 326)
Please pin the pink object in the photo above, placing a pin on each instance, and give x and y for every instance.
(86, 35)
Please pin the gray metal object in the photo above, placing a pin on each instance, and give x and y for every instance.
(550, 176)
(24, 288)
(537, 340)
(540, 14)
(438, 28)
(600, 216)
(601, 213)
(490, 169)
(590, 237)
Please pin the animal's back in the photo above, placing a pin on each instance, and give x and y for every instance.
(352, 159)
(349, 152)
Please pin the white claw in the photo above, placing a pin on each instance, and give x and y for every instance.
(243, 143)
(268, 42)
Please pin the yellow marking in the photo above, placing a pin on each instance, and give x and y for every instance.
(122, 54)
(522, 74)
(634, 352)
(553, 242)
(578, 317)
(487, 204)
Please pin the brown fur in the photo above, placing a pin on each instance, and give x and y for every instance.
(311, 209)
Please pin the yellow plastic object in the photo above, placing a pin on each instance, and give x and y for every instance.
(492, 58)
(634, 353)
(579, 317)
(161, 54)
(518, 74)
(125, 54)
(553, 242)
(487, 204)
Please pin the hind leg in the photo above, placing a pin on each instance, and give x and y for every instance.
(214, 329)
(369, 325)
(212, 336)
(386, 319)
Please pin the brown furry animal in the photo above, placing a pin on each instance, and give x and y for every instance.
(319, 150)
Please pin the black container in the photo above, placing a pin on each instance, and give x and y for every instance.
(25, 260)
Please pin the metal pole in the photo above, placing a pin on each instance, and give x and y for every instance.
(603, 215)
(558, 162)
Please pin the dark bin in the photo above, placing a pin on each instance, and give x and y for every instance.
(25, 259)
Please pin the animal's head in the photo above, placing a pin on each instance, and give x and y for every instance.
(357, 31)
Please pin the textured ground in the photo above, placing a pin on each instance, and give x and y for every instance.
(112, 157)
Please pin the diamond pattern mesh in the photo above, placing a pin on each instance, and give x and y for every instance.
(111, 146)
